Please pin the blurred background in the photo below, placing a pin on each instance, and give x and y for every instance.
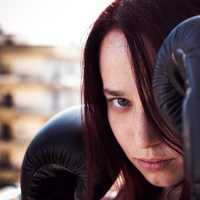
(41, 43)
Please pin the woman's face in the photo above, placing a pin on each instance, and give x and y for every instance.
(160, 165)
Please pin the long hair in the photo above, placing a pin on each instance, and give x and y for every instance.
(138, 20)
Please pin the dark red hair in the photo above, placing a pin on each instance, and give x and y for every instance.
(137, 19)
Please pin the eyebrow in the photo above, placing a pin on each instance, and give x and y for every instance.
(113, 92)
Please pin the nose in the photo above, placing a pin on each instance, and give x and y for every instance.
(144, 133)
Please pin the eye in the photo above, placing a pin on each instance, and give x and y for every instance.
(120, 102)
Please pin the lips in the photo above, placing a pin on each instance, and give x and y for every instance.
(154, 160)
(153, 164)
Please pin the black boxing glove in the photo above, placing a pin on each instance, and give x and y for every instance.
(54, 164)
(176, 86)
(174, 67)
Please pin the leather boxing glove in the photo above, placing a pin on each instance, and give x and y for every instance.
(54, 163)
(176, 86)
(175, 70)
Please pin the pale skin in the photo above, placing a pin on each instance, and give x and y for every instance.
(127, 119)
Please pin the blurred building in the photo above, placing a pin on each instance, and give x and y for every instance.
(35, 83)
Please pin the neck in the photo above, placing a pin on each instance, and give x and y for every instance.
(171, 193)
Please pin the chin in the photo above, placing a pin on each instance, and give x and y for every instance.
(162, 180)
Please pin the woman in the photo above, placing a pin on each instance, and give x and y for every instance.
(125, 133)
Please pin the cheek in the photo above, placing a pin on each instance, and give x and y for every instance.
(121, 130)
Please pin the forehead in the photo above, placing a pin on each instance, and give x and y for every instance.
(115, 63)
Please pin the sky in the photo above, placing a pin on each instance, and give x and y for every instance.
(50, 22)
